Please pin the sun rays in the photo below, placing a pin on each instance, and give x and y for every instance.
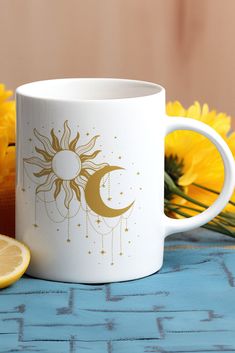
(71, 189)
(54, 152)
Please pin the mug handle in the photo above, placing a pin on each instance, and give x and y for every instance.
(180, 225)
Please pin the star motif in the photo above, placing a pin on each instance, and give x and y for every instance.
(109, 198)
(126, 229)
(120, 157)
(89, 252)
(98, 221)
(79, 225)
(23, 189)
(121, 253)
(35, 225)
(138, 173)
(102, 252)
(121, 193)
(30, 139)
(87, 134)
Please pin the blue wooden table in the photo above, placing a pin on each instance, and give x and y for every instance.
(189, 306)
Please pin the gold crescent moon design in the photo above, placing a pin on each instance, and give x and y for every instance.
(93, 198)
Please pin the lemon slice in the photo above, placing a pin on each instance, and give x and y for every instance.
(14, 260)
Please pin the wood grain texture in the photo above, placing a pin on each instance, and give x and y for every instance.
(188, 306)
(188, 46)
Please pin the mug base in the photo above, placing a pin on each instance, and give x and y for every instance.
(101, 280)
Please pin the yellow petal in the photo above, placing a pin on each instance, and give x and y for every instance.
(175, 109)
(4, 95)
(3, 146)
(188, 178)
(202, 164)
(205, 109)
(194, 111)
(9, 161)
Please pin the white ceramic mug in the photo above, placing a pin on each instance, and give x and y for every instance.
(90, 178)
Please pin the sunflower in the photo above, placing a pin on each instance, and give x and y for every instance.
(63, 164)
(192, 161)
(7, 137)
(7, 161)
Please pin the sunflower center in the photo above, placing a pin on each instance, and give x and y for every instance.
(66, 165)
(174, 168)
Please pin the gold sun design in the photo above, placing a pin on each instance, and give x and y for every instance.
(64, 165)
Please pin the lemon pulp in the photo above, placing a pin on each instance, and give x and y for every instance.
(14, 260)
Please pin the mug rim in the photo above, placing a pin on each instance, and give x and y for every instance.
(25, 90)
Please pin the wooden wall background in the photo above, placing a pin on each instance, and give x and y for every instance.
(186, 45)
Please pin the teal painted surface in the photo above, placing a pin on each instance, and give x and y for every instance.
(189, 306)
